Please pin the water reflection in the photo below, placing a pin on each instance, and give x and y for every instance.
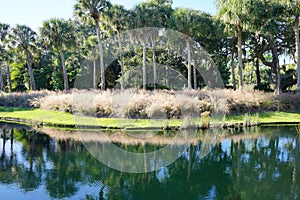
(261, 163)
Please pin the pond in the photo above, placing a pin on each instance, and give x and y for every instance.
(256, 163)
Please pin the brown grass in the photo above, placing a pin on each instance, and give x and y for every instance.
(136, 103)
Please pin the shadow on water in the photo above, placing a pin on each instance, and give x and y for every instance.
(261, 163)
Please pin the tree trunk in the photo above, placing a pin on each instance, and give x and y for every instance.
(297, 40)
(188, 46)
(9, 78)
(66, 84)
(276, 67)
(232, 64)
(1, 81)
(100, 56)
(251, 73)
(154, 60)
(144, 65)
(195, 72)
(240, 59)
(257, 72)
(121, 60)
(31, 77)
(94, 75)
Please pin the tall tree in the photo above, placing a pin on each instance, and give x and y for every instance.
(93, 9)
(4, 31)
(233, 12)
(59, 36)
(293, 9)
(117, 18)
(140, 15)
(267, 22)
(159, 15)
(186, 21)
(24, 38)
(91, 45)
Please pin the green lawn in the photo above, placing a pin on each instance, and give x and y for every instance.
(61, 119)
(267, 118)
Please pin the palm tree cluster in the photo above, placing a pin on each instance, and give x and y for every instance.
(247, 37)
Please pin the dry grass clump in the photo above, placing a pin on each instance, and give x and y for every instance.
(287, 102)
(159, 104)
(56, 102)
(258, 101)
(137, 105)
(129, 103)
(22, 99)
(81, 102)
(248, 101)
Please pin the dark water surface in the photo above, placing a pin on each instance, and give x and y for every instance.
(259, 163)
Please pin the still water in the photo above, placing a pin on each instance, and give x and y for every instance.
(257, 163)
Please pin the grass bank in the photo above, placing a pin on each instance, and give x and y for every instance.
(39, 117)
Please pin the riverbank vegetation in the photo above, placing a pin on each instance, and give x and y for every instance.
(144, 109)
(246, 50)
(135, 103)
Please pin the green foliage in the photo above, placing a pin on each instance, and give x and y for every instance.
(260, 21)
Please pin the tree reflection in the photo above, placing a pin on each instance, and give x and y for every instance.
(262, 163)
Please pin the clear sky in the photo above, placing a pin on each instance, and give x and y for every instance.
(34, 12)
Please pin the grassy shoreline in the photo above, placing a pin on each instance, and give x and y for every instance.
(38, 117)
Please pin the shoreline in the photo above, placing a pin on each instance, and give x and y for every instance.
(57, 119)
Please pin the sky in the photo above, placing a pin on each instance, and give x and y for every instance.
(33, 12)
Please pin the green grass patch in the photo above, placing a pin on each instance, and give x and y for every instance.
(267, 117)
(62, 119)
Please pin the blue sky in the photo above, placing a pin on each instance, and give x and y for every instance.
(34, 12)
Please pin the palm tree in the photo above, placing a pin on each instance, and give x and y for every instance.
(187, 23)
(24, 38)
(159, 15)
(117, 17)
(91, 44)
(140, 14)
(231, 12)
(93, 9)
(59, 36)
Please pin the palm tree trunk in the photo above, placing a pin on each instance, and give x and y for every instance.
(9, 78)
(154, 61)
(232, 65)
(240, 59)
(189, 62)
(121, 60)
(297, 40)
(94, 75)
(101, 56)
(31, 77)
(195, 72)
(1, 81)
(144, 65)
(66, 84)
